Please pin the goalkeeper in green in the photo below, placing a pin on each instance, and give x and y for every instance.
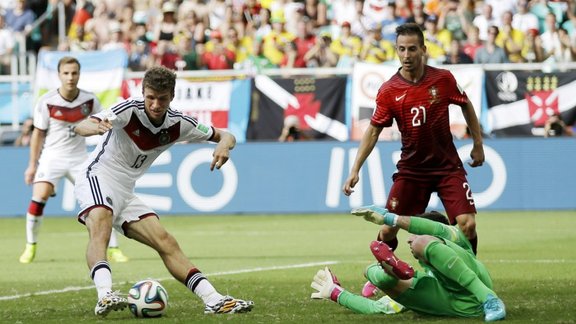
(452, 283)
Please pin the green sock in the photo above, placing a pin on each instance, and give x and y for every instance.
(423, 226)
(446, 261)
(362, 305)
(379, 277)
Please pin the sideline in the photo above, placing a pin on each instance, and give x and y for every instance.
(222, 273)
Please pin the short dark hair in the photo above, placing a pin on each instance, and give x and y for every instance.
(159, 78)
(434, 216)
(410, 29)
(68, 60)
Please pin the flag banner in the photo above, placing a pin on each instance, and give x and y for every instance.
(101, 72)
(223, 103)
(318, 103)
(520, 102)
(369, 77)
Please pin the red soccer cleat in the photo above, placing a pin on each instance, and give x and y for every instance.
(389, 262)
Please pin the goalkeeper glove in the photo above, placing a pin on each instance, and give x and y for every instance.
(326, 285)
(376, 215)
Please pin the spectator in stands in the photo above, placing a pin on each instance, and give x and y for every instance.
(523, 19)
(551, 46)
(257, 61)
(532, 51)
(375, 49)
(98, 26)
(241, 47)
(7, 43)
(138, 56)
(217, 56)
(316, 11)
(437, 41)
(390, 22)
(343, 11)
(321, 55)
(456, 55)
(188, 58)
(555, 126)
(484, 21)
(473, 42)
(418, 15)
(198, 7)
(20, 18)
(499, 7)
(262, 24)
(347, 46)
(116, 40)
(490, 52)
(25, 133)
(276, 39)
(216, 13)
(295, 50)
(455, 18)
(510, 39)
(567, 47)
(164, 54)
(165, 29)
(191, 27)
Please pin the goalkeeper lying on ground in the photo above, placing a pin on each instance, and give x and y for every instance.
(452, 283)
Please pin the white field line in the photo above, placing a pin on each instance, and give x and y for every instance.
(223, 273)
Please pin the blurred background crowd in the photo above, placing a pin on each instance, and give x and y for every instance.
(241, 34)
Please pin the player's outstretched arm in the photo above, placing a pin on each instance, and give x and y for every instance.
(226, 142)
(93, 126)
(369, 140)
(327, 286)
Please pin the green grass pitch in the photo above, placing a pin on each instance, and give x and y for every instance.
(271, 259)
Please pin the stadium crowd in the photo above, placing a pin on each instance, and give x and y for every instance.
(237, 34)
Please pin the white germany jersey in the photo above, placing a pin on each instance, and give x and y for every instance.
(126, 151)
(57, 116)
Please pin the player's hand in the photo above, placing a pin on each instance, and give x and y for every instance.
(326, 285)
(29, 174)
(350, 183)
(220, 156)
(477, 156)
(104, 125)
(373, 214)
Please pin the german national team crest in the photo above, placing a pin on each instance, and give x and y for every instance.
(393, 203)
(164, 137)
(109, 201)
(433, 91)
(85, 109)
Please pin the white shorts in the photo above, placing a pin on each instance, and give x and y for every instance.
(53, 168)
(101, 190)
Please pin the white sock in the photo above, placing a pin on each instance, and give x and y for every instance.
(207, 292)
(200, 285)
(102, 277)
(33, 224)
(113, 239)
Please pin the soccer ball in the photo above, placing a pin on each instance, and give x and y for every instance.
(147, 298)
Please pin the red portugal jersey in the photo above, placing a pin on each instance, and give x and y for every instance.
(421, 112)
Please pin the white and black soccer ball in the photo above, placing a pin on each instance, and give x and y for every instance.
(147, 298)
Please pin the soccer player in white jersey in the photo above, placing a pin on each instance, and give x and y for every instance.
(135, 132)
(56, 151)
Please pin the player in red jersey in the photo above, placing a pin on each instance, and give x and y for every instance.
(417, 98)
